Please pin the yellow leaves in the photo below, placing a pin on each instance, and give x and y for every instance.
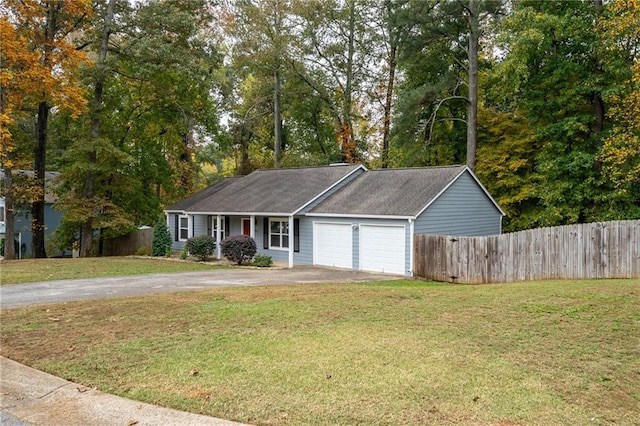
(39, 66)
(620, 153)
(623, 20)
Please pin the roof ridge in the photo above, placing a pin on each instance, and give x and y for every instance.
(326, 166)
(452, 166)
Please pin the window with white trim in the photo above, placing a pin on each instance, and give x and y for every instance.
(183, 228)
(1, 212)
(279, 233)
(214, 227)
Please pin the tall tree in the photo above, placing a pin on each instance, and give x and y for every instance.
(473, 24)
(619, 32)
(438, 99)
(338, 67)
(260, 32)
(395, 25)
(553, 74)
(86, 232)
(133, 151)
(47, 25)
(16, 60)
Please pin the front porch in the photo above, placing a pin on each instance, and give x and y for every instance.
(273, 234)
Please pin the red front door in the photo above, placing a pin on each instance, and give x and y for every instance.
(246, 227)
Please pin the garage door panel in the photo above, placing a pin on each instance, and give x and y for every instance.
(382, 248)
(333, 245)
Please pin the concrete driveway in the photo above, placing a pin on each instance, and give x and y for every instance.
(15, 295)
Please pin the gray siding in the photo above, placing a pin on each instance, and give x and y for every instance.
(22, 225)
(463, 209)
(305, 256)
(171, 224)
(198, 225)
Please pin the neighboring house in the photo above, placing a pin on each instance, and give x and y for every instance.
(22, 228)
(341, 215)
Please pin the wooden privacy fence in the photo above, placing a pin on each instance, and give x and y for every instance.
(129, 244)
(592, 250)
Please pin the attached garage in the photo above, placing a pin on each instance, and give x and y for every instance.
(383, 249)
(333, 244)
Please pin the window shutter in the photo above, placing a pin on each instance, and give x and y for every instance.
(265, 233)
(296, 235)
(209, 225)
(193, 226)
(227, 225)
(177, 227)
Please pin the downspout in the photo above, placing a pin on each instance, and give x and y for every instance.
(218, 235)
(411, 249)
(291, 241)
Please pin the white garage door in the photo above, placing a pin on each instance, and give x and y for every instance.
(333, 244)
(382, 248)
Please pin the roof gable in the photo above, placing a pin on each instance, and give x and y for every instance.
(390, 192)
(476, 181)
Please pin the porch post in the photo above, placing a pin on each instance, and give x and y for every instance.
(291, 237)
(252, 232)
(218, 235)
(412, 250)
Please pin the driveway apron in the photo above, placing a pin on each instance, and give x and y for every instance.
(12, 296)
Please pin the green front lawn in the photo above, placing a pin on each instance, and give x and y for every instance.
(32, 270)
(404, 352)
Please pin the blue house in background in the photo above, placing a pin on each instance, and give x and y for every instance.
(22, 228)
(340, 215)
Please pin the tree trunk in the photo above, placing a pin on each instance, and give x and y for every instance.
(9, 217)
(86, 242)
(348, 139)
(37, 206)
(277, 86)
(472, 111)
(40, 151)
(387, 106)
(277, 120)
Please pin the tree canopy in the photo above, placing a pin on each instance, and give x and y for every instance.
(139, 104)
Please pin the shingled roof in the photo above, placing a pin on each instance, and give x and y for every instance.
(274, 191)
(390, 192)
(187, 203)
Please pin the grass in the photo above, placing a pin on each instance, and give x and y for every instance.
(32, 270)
(402, 352)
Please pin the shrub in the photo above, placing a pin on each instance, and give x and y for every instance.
(262, 260)
(201, 246)
(238, 248)
(161, 245)
(142, 251)
(184, 252)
